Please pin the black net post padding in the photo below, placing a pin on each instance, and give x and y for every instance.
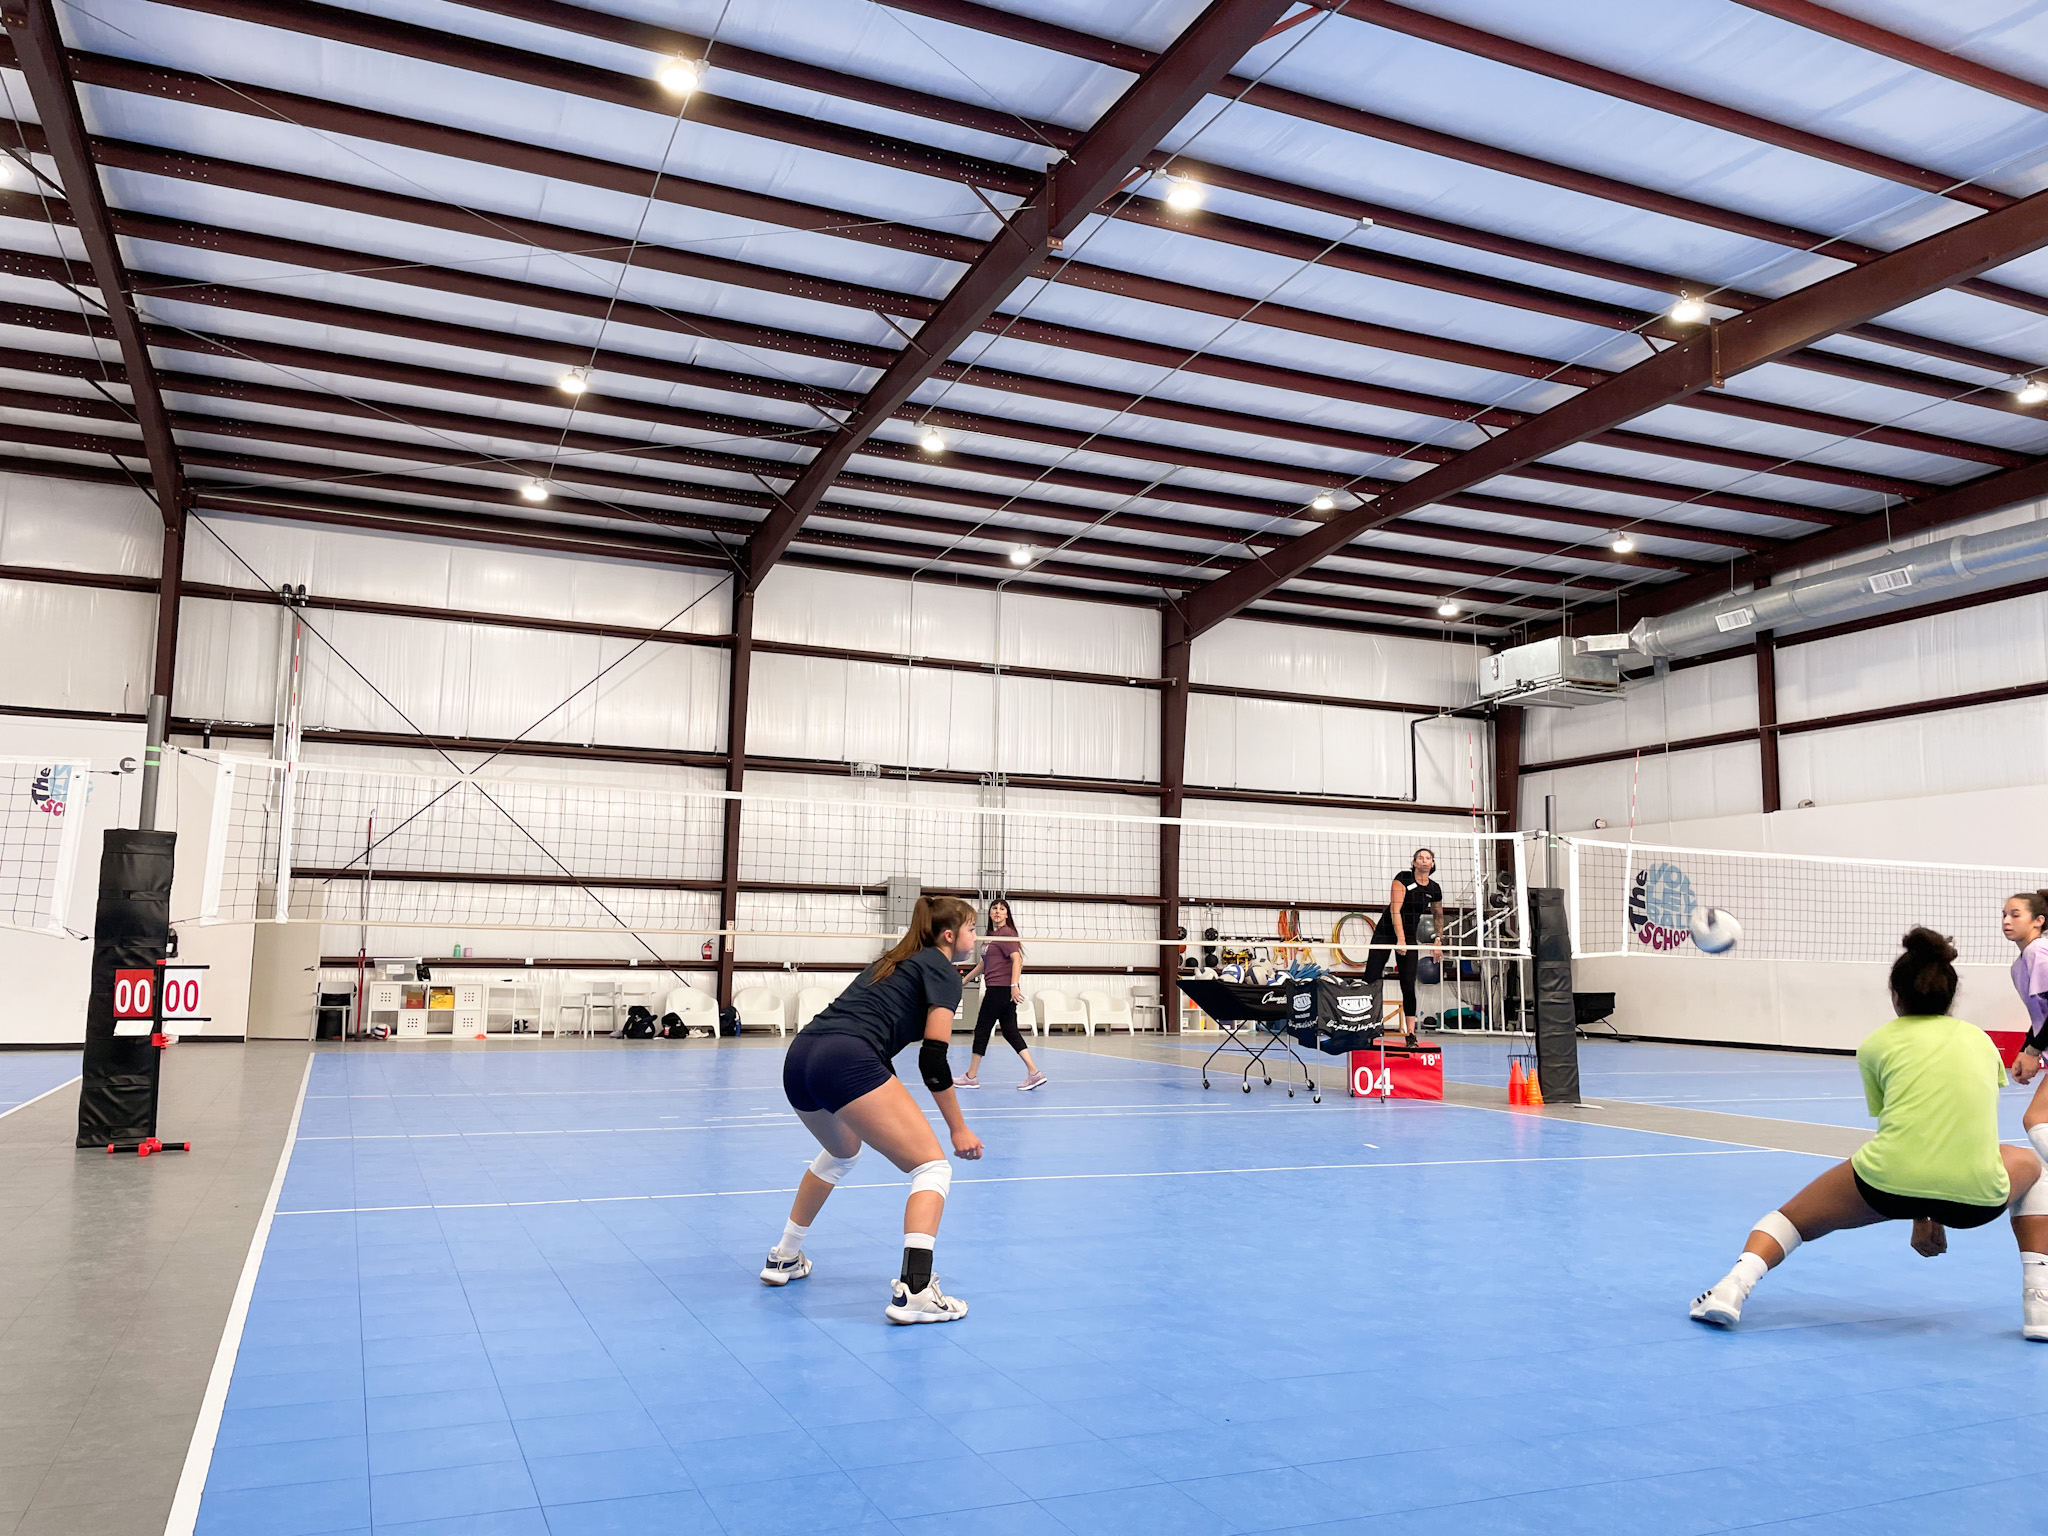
(131, 931)
(1557, 1023)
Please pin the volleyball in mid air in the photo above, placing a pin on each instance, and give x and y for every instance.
(1714, 930)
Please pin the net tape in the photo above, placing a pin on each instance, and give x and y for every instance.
(550, 855)
(1647, 899)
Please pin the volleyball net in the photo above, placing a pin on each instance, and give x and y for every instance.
(397, 856)
(1717, 904)
(41, 828)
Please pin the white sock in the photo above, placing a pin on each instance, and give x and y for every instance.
(2038, 1135)
(792, 1242)
(2034, 1271)
(1748, 1269)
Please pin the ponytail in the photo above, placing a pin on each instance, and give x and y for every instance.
(1924, 978)
(932, 916)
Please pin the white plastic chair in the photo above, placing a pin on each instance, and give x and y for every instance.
(1106, 1012)
(603, 998)
(810, 1002)
(1053, 1009)
(760, 1008)
(697, 1010)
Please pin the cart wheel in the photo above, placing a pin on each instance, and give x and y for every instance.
(1317, 1099)
(1290, 1093)
(1247, 1087)
(1205, 1082)
(1269, 1082)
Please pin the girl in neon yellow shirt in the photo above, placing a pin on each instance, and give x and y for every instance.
(1932, 1083)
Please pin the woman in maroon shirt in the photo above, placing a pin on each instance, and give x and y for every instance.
(1001, 969)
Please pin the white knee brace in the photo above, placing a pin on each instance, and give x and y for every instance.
(1780, 1231)
(2038, 1135)
(936, 1177)
(832, 1169)
(2035, 1201)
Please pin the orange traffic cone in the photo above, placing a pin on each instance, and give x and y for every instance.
(1518, 1086)
(1533, 1091)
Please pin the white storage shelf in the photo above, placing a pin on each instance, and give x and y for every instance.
(419, 1010)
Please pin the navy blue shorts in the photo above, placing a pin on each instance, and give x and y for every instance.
(829, 1072)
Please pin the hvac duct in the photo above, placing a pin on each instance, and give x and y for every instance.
(1572, 670)
(2005, 554)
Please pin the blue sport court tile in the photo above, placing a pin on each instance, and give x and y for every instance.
(619, 1359)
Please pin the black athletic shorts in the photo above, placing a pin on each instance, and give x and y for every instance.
(1949, 1213)
(829, 1072)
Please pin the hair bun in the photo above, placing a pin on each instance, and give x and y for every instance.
(1925, 943)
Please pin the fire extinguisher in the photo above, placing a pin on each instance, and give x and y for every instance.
(707, 949)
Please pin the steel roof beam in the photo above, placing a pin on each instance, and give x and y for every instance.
(39, 54)
(349, 364)
(404, 208)
(499, 61)
(1129, 130)
(1658, 98)
(264, 301)
(1472, 152)
(1724, 349)
(461, 459)
(458, 143)
(1936, 61)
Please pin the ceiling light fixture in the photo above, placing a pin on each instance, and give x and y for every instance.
(680, 76)
(1020, 556)
(1623, 544)
(1184, 195)
(2032, 392)
(1324, 502)
(1447, 609)
(574, 382)
(534, 490)
(1688, 310)
(932, 441)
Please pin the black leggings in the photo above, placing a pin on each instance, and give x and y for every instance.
(998, 1010)
(1404, 965)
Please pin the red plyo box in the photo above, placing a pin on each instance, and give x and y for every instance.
(1398, 1072)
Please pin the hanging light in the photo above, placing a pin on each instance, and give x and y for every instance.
(574, 382)
(680, 76)
(1184, 194)
(1020, 556)
(1688, 310)
(2032, 392)
(1447, 609)
(1324, 502)
(1623, 544)
(534, 490)
(933, 441)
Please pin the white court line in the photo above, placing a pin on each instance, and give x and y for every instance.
(24, 1104)
(1034, 1178)
(199, 1455)
(785, 1119)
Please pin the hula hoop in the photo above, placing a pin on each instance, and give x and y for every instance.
(1337, 939)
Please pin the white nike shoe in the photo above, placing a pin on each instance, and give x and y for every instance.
(780, 1271)
(1721, 1306)
(930, 1305)
(966, 1082)
(2034, 1314)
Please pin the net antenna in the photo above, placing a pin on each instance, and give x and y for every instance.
(42, 823)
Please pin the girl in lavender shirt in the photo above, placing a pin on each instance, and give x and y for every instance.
(1001, 968)
(2026, 924)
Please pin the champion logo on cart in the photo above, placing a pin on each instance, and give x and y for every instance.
(1275, 997)
(1660, 904)
(50, 789)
